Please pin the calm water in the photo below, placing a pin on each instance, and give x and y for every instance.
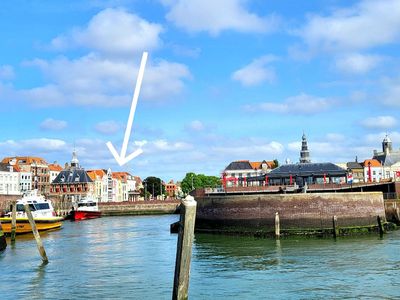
(133, 257)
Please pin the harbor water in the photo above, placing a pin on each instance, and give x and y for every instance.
(134, 258)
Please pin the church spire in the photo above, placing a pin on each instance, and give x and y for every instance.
(304, 153)
(74, 160)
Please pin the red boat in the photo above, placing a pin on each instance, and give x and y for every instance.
(87, 209)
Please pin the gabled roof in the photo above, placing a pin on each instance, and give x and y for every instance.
(72, 176)
(374, 163)
(94, 173)
(55, 167)
(307, 169)
(26, 160)
(354, 165)
(388, 159)
(239, 165)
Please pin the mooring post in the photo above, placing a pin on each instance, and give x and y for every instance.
(277, 226)
(13, 221)
(335, 227)
(3, 242)
(184, 249)
(35, 232)
(380, 226)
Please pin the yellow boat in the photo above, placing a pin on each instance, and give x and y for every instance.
(42, 212)
(23, 225)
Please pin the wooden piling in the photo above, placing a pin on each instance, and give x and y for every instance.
(13, 221)
(35, 232)
(3, 242)
(277, 226)
(335, 227)
(380, 226)
(184, 249)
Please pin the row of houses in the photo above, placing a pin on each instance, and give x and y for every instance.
(383, 166)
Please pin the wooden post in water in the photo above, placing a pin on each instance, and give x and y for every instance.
(380, 226)
(13, 221)
(3, 242)
(184, 249)
(277, 226)
(335, 227)
(36, 233)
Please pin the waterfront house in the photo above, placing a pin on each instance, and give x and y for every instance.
(36, 166)
(72, 183)
(372, 170)
(237, 172)
(306, 173)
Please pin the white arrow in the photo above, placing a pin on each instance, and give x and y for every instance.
(122, 158)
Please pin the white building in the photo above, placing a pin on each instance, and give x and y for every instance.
(13, 182)
(239, 171)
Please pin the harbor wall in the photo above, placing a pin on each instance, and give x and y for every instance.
(256, 212)
(138, 208)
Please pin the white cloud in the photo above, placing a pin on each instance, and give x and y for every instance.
(113, 31)
(364, 25)
(256, 72)
(380, 122)
(217, 16)
(164, 145)
(300, 104)
(32, 145)
(6, 72)
(108, 127)
(357, 63)
(95, 80)
(52, 124)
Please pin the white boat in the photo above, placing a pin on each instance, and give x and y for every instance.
(87, 209)
(42, 211)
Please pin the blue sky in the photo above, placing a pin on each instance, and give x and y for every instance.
(225, 80)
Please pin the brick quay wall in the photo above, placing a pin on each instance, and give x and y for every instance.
(138, 208)
(301, 212)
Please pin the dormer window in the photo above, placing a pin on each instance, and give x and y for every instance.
(77, 178)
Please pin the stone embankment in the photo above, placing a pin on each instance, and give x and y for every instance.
(299, 213)
(138, 208)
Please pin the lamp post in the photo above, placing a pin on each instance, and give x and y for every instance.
(192, 183)
(145, 190)
(161, 194)
(153, 190)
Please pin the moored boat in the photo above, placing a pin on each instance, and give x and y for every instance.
(42, 212)
(87, 209)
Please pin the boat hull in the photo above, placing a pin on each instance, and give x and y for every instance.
(23, 225)
(84, 215)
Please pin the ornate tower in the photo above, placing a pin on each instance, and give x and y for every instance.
(74, 160)
(387, 145)
(304, 153)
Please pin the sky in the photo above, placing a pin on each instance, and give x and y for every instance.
(225, 80)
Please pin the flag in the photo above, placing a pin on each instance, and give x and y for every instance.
(350, 178)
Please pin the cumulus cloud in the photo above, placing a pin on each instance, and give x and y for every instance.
(357, 63)
(39, 144)
(108, 127)
(114, 31)
(256, 72)
(354, 28)
(300, 104)
(52, 124)
(380, 122)
(217, 16)
(95, 80)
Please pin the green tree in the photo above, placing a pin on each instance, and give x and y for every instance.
(276, 163)
(195, 181)
(152, 185)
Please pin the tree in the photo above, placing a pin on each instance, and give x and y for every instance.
(194, 181)
(276, 163)
(153, 186)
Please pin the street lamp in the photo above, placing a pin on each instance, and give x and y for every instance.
(153, 190)
(192, 182)
(145, 190)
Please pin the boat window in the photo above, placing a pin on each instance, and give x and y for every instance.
(32, 207)
(42, 206)
(20, 207)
